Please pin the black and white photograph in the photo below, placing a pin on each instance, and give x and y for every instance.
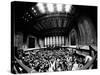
(53, 37)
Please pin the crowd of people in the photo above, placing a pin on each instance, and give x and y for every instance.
(62, 59)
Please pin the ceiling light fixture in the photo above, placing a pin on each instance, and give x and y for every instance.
(59, 7)
(68, 8)
(41, 7)
(50, 7)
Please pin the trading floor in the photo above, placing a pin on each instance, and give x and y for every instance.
(50, 37)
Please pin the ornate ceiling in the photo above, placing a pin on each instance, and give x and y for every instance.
(43, 18)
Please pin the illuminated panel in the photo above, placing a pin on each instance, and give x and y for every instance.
(45, 41)
(48, 41)
(62, 40)
(56, 40)
(53, 41)
(59, 40)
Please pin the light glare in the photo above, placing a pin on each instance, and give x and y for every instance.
(50, 7)
(32, 8)
(59, 7)
(67, 8)
(41, 7)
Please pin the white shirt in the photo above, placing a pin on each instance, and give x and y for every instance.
(88, 58)
(75, 66)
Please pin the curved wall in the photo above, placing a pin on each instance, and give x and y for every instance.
(84, 33)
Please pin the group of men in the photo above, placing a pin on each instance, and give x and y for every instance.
(63, 59)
